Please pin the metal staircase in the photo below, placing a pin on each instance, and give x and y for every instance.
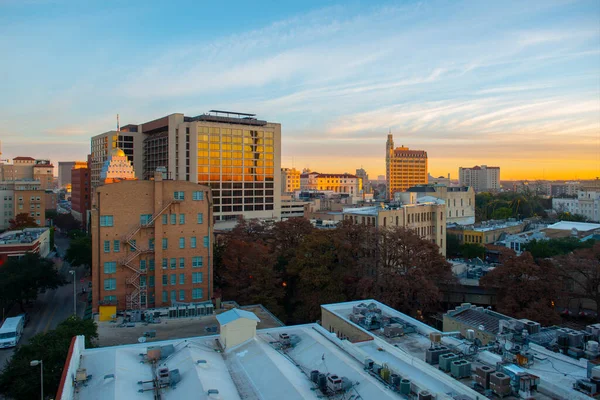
(133, 299)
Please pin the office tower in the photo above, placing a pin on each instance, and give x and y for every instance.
(81, 192)
(290, 180)
(481, 179)
(404, 168)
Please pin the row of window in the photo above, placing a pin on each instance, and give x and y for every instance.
(172, 217)
(173, 280)
(165, 244)
(110, 267)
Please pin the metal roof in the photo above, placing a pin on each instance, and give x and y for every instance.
(476, 318)
(234, 314)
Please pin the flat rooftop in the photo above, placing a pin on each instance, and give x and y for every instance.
(580, 226)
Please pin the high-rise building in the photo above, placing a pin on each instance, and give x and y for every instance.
(290, 180)
(151, 243)
(64, 173)
(480, 178)
(364, 177)
(404, 168)
(21, 197)
(128, 139)
(81, 192)
(236, 154)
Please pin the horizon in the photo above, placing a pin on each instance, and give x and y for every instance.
(505, 84)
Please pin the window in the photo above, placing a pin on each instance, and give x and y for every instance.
(145, 219)
(143, 281)
(182, 295)
(151, 281)
(173, 263)
(142, 265)
(173, 295)
(110, 298)
(182, 243)
(181, 219)
(179, 195)
(107, 246)
(165, 263)
(133, 244)
(200, 218)
(173, 279)
(106, 220)
(151, 244)
(193, 242)
(165, 243)
(182, 279)
(151, 264)
(165, 219)
(116, 246)
(197, 277)
(164, 296)
(205, 241)
(173, 219)
(197, 262)
(110, 284)
(110, 267)
(165, 280)
(182, 262)
(197, 293)
(198, 196)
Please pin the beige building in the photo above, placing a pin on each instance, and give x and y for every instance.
(151, 243)
(236, 327)
(460, 201)
(337, 183)
(117, 168)
(290, 180)
(404, 168)
(22, 197)
(480, 178)
(486, 233)
(427, 219)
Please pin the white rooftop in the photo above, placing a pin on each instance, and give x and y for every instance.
(234, 314)
(580, 226)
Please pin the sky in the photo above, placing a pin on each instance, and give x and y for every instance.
(514, 84)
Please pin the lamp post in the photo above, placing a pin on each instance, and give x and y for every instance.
(35, 363)
(72, 272)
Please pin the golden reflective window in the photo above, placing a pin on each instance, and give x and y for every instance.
(215, 146)
(215, 161)
(215, 154)
(226, 131)
(237, 147)
(260, 163)
(203, 154)
(226, 162)
(248, 140)
(203, 145)
(269, 149)
(227, 147)
(203, 138)
(237, 162)
(248, 155)
(202, 169)
(226, 139)
(247, 134)
(237, 140)
(226, 154)
(215, 138)
(203, 161)
(269, 156)
(269, 163)
(238, 171)
(236, 132)
(227, 170)
(214, 130)
(202, 177)
(269, 142)
(260, 134)
(268, 134)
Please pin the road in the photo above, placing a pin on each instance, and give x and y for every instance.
(53, 306)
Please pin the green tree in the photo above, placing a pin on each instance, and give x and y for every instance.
(80, 251)
(553, 247)
(452, 245)
(19, 381)
(567, 216)
(502, 213)
(22, 221)
(66, 222)
(472, 250)
(21, 279)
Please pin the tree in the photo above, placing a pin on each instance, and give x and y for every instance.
(22, 278)
(502, 213)
(22, 221)
(554, 247)
(66, 222)
(452, 245)
(80, 251)
(525, 289)
(472, 250)
(581, 269)
(17, 379)
(567, 216)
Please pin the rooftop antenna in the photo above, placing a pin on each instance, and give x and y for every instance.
(118, 127)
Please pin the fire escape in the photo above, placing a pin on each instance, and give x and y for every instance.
(134, 297)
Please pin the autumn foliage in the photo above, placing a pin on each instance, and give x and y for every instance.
(293, 268)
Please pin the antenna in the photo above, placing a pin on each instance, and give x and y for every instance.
(118, 127)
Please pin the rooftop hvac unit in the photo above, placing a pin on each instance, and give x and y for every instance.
(393, 330)
(470, 334)
(314, 376)
(433, 354)
(460, 369)
(395, 380)
(162, 375)
(595, 373)
(284, 338)
(81, 375)
(586, 386)
(153, 353)
(435, 337)
(405, 386)
(368, 363)
(532, 327)
(425, 395)
(575, 338)
(334, 383)
(499, 378)
(446, 360)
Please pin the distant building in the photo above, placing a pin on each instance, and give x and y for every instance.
(404, 168)
(22, 197)
(481, 178)
(486, 232)
(64, 173)
(460, 201)
(348, 184)
(81, 192)
(440, 180)
(427, 217)
(128, 140)
(364, 177)
(291, 208)
(587, 204)
(290, 180)
(30, 170)
(29, 240)
(151, 243)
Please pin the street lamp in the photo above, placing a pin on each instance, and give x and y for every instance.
(72, 272)
(35, 363)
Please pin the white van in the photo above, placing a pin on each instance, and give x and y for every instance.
(11, 331)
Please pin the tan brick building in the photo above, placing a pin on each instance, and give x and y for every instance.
(404, 168)
(151, 243)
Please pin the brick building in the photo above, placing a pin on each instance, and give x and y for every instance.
(81, 194)
(151, 243)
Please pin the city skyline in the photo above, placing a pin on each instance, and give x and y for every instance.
(502, 84)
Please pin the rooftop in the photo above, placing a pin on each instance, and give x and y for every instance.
(27, 235)
(580, 226)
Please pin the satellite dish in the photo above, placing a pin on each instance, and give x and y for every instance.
(142, 339)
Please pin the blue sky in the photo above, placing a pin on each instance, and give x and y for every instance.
(515, 84)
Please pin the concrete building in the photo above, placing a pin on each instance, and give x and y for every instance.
(151, 243)
(440, 180)
(128, 139)
(346, 184)
(481, 178)
(117, 167)
(427, 217)
(290, 180)
(64, 173)
(22, 197)
(28, 169)
(486, 232)
(587, 204)
(460, 201)
(28, 240)
(291, 208)
(81, 192)
(404, 168)
(364, 177)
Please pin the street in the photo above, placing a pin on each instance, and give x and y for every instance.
(53, 306)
